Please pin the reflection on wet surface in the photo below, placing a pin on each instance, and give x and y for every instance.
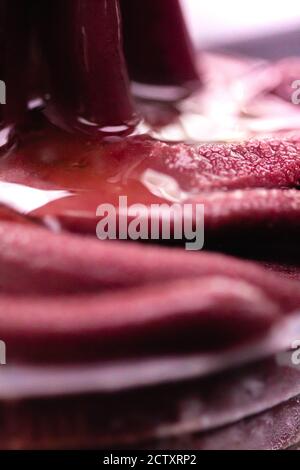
(53, 173)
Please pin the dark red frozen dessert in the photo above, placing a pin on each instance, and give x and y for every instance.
(88, 82)
(158, 48)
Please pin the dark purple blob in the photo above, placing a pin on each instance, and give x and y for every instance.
(89, 87)
(158, 48)
(14, 41)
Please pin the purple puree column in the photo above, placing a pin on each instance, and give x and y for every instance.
(88, 82)
(158, 47)
(14, 47)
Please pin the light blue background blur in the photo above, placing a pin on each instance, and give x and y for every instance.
(215, 21)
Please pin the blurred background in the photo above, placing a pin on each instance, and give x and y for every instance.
(257, 28)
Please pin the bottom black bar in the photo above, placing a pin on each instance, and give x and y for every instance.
(132, 459)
